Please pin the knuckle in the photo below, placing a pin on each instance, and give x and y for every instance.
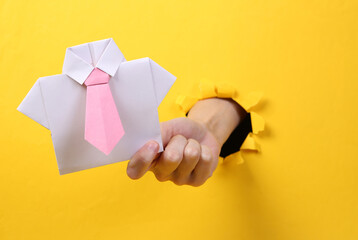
(206, 160)
(171, 157)
(206, 153)
(191, 153)
(179, 137)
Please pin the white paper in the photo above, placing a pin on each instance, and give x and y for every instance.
(137, 87)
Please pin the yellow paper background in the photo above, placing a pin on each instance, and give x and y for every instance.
(302, 54)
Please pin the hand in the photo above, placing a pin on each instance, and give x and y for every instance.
(191, 145)
(190, 156)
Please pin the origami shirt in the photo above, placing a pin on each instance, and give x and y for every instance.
(58, 103)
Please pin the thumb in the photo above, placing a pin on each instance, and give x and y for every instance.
(166, 129)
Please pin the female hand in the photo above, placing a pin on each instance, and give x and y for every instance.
(190, 156)
(191, 145)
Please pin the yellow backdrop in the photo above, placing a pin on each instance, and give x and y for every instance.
(302, 54)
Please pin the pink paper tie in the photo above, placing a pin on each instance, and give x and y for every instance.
(103, 127)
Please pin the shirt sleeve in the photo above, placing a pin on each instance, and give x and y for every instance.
(162, 80)
(33, 106)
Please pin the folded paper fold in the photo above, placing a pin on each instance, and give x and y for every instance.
(58, 102)
(103, 126)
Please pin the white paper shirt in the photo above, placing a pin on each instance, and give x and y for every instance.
(58, 103)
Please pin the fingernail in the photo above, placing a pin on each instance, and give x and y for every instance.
(152, 147)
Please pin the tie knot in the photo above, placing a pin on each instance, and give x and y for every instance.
(96, 77)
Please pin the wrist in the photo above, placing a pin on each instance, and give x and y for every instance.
(220, 116)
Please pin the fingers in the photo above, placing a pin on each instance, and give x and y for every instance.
(183, 162)
(170, 159)
(142, 159)
(191, 157)
(203, 169)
